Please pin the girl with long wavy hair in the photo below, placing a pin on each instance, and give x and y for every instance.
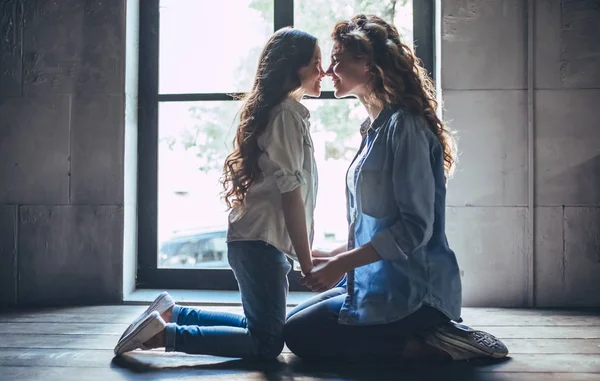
(270, 185)
(396, 284)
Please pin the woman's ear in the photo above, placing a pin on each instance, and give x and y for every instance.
(372, 65)
(368, 66)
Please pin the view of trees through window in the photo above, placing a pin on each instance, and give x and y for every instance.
(213, 47)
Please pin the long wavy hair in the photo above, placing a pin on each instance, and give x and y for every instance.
(287, 51)
(397, 75)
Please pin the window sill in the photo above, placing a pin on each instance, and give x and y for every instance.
(204, 297)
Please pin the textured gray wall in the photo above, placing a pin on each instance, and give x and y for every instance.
(61, 150)
(484, 81)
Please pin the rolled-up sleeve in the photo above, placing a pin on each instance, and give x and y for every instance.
(285, 149)
(414, 192)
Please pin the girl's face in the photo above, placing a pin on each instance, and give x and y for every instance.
(350, 74)
(312, 74)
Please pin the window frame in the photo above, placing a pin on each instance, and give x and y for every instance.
(149, 275)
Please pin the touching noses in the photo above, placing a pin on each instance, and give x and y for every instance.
(329, 71)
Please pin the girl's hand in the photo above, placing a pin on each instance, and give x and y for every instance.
(327, 273)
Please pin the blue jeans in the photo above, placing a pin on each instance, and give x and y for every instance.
(261, 272)
(312, 330)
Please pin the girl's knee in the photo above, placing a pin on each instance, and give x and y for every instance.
(267, 345)
(270, 349)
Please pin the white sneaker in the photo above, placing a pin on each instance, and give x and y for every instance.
(163, 302)
(464, 343)
(149, 327)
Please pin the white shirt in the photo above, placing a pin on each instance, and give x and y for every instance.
(351, 174)
(287, 162)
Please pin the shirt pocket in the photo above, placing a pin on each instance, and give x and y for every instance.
(376, 198)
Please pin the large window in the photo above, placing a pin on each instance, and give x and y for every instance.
(194, 55)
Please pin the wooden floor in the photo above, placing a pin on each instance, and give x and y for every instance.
(76, 344)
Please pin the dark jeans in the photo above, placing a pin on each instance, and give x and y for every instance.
(261, 271)
(312, 330)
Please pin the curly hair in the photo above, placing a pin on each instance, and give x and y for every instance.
(397, 75)
(277, 76)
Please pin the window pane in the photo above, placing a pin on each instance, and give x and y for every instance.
(211, 46)
(318, 18)
(194, 139)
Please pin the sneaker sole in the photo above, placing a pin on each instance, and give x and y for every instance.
(451, 340)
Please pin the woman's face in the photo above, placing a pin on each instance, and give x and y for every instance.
(350, 74)
(312, 74)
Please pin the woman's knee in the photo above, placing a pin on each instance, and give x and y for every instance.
(296, 335)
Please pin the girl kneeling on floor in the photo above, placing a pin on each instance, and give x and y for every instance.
(270, 186)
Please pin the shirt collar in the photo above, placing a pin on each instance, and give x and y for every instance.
(384, 115)
(297, 106)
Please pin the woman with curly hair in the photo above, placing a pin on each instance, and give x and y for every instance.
(394, 290)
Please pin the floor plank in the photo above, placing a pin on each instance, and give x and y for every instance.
(543, 332)
(529, 317)
(574, 346)
(65, 328)
(16, 340)
(57, 317)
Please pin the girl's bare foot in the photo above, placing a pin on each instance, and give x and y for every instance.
(158, 340)
(166, 316)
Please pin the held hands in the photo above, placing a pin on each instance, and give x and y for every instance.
(330, 269)
(326, 273)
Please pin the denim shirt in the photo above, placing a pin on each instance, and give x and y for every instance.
(398, 204)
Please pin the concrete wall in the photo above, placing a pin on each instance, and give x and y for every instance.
(484, 81)
(62, 161)
(61, 151)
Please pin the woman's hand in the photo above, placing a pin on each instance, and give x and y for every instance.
(329, 271)
(321, 254)
(328, 254)
(326, 273)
